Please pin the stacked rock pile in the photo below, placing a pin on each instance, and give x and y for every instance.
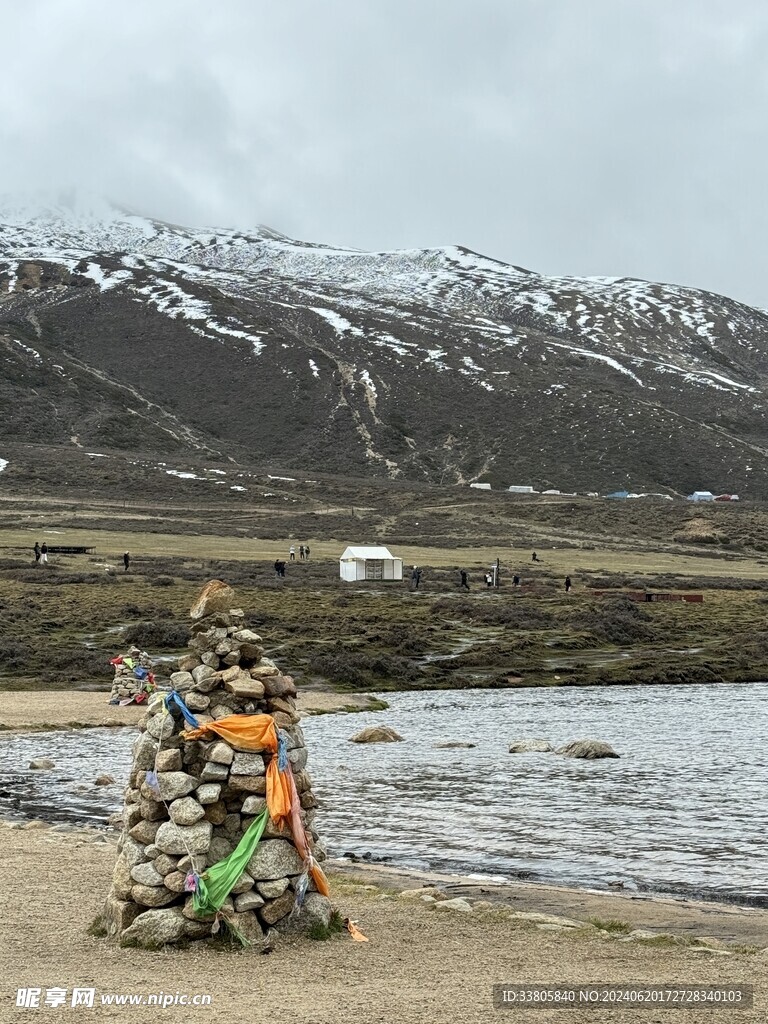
(134, 677)
(189, 802)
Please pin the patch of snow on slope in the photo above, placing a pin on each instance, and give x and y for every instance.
(255, 340)
(313, 368)
(725, 380)
(391, 342)
(473, 261)
(183, 476)
(3, 464)
(707, 377)
(339, 324)
(12, 269)
(171, 299)
(35, 355)
(435, 355)
(599, 356)
(365, 377)
(106, 279)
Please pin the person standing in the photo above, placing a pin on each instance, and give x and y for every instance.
(44, 553)
(292, 553)
(301, 552)
(126, 560)
(37, 551)
(463, 576)
(415, 577)
(306, 551)
(534, 557)
(567, 584)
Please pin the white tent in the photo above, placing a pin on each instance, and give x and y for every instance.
(369, 563)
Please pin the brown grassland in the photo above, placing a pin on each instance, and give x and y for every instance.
(60, 623)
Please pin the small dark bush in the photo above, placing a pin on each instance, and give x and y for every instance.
(363, 671)
(156, 635)
(615, 620)
(14, 654)
(161, 581)
(515, 614)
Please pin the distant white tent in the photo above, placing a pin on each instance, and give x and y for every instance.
(369, 563)
(701, 496)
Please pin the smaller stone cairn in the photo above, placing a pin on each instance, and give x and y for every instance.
(207, 794)
(134, 677)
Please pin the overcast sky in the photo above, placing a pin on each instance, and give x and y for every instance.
(608, 137)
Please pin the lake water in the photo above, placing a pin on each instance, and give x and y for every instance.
(684, 810)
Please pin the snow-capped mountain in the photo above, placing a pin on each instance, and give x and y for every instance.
(435, 364)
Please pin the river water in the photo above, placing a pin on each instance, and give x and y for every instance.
(684, 810)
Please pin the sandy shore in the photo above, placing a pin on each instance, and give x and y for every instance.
(420, 965)
(57, 709)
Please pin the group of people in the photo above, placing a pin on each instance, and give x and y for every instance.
(516, 581)
(41, 552)
(303, 552)
(280, 562)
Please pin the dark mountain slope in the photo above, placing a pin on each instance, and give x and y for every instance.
(425, 364)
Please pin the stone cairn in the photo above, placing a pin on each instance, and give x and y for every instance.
(204, 796)
(134, 677)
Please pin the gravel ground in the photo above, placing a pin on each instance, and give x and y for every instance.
(420, 965)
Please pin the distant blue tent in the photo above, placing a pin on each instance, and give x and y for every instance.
(618, 494)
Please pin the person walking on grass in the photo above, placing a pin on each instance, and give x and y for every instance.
(44, 553)
(567, 584)
(463, 584)
(415, 577)
(37, 551)
(126, 560)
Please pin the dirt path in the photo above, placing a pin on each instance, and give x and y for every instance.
(420, 966)
(22, 710)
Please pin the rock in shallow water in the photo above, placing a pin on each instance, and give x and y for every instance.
(376, 734)
(530, 746)
(588, 750)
